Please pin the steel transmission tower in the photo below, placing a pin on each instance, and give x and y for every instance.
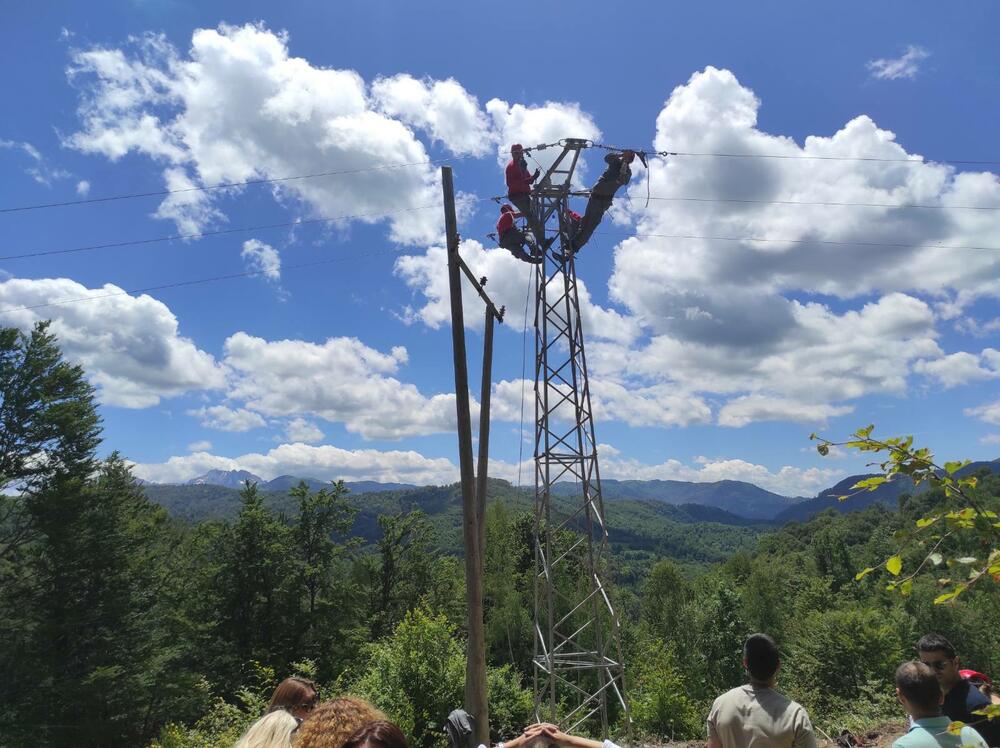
(578, 667)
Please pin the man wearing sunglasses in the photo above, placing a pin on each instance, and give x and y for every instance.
(961, 698)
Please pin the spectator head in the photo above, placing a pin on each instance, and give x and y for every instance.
(333, 722)
(505, 208)
(295, 695)
(760, 658)
(918, 689)
(516, 150)
(378, 734)
(937, 653)
(273, 730)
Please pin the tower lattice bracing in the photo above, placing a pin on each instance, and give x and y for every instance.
(578, 667)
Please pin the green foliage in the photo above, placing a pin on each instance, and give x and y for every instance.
(961, 522)
(838, 656)
(417, 676)
(660, 705)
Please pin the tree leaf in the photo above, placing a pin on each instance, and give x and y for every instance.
(870, 484)
(966, 560)
(955, 728)
(823, 449)
(863, 573)
(954, 466)
(935, 558)
(894, 565)
(906, 587)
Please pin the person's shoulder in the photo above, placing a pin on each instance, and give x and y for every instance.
(975, 698)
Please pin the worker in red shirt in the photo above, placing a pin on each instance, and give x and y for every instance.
(519, 181)
(512, 239)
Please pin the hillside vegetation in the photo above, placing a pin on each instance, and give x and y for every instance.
(125, 624)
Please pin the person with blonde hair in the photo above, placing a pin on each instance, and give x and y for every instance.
(331, 723)
(273, 730)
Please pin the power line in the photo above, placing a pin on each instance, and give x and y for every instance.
(218, 232)
(819, 203)
(833, 242)
(225, 185)
(179, 284)
(803, 157)
(919, 161)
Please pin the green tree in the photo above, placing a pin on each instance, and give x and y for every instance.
(660, 705)
(399, 573)
(320, 562)
(508, 584)
(48, 424)
(253, 588)
(417, 675)
(93, 657)
(664, 595)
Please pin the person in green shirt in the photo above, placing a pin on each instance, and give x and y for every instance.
(919, 691)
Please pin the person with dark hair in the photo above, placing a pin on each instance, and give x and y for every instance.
(755, 715)
(297, 696)
(919, 691)
(961, 698)
(511, 238)
(378, 734)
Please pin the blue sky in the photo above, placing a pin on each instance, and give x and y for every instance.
(711, 359)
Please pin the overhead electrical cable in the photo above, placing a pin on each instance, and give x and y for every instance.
(181, 284)
(216, 232)
(819, 203)
(839, 243)
(916, 160)
(227, 185)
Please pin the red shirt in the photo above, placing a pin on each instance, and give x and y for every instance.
(574, 216)
(519, 179)
(506, 222)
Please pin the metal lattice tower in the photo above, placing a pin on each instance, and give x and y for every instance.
(578, 667)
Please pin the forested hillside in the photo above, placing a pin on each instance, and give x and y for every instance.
(121, 625)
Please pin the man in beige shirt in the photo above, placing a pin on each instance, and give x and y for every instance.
(755, 715)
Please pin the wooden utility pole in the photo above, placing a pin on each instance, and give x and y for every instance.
(482, 468)
(475, 669)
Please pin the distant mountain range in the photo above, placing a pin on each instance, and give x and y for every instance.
(887, 494)
(237, 478)
(728, 502)
(737, 497)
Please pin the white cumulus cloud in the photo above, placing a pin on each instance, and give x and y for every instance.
(263, 258)
(340, 380)
(445, 110)
(322, 462)
(988, 412)
(130, 346)
(301, 430)
(223, 418)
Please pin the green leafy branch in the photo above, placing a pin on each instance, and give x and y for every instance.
(988, 712)
(902, 459)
